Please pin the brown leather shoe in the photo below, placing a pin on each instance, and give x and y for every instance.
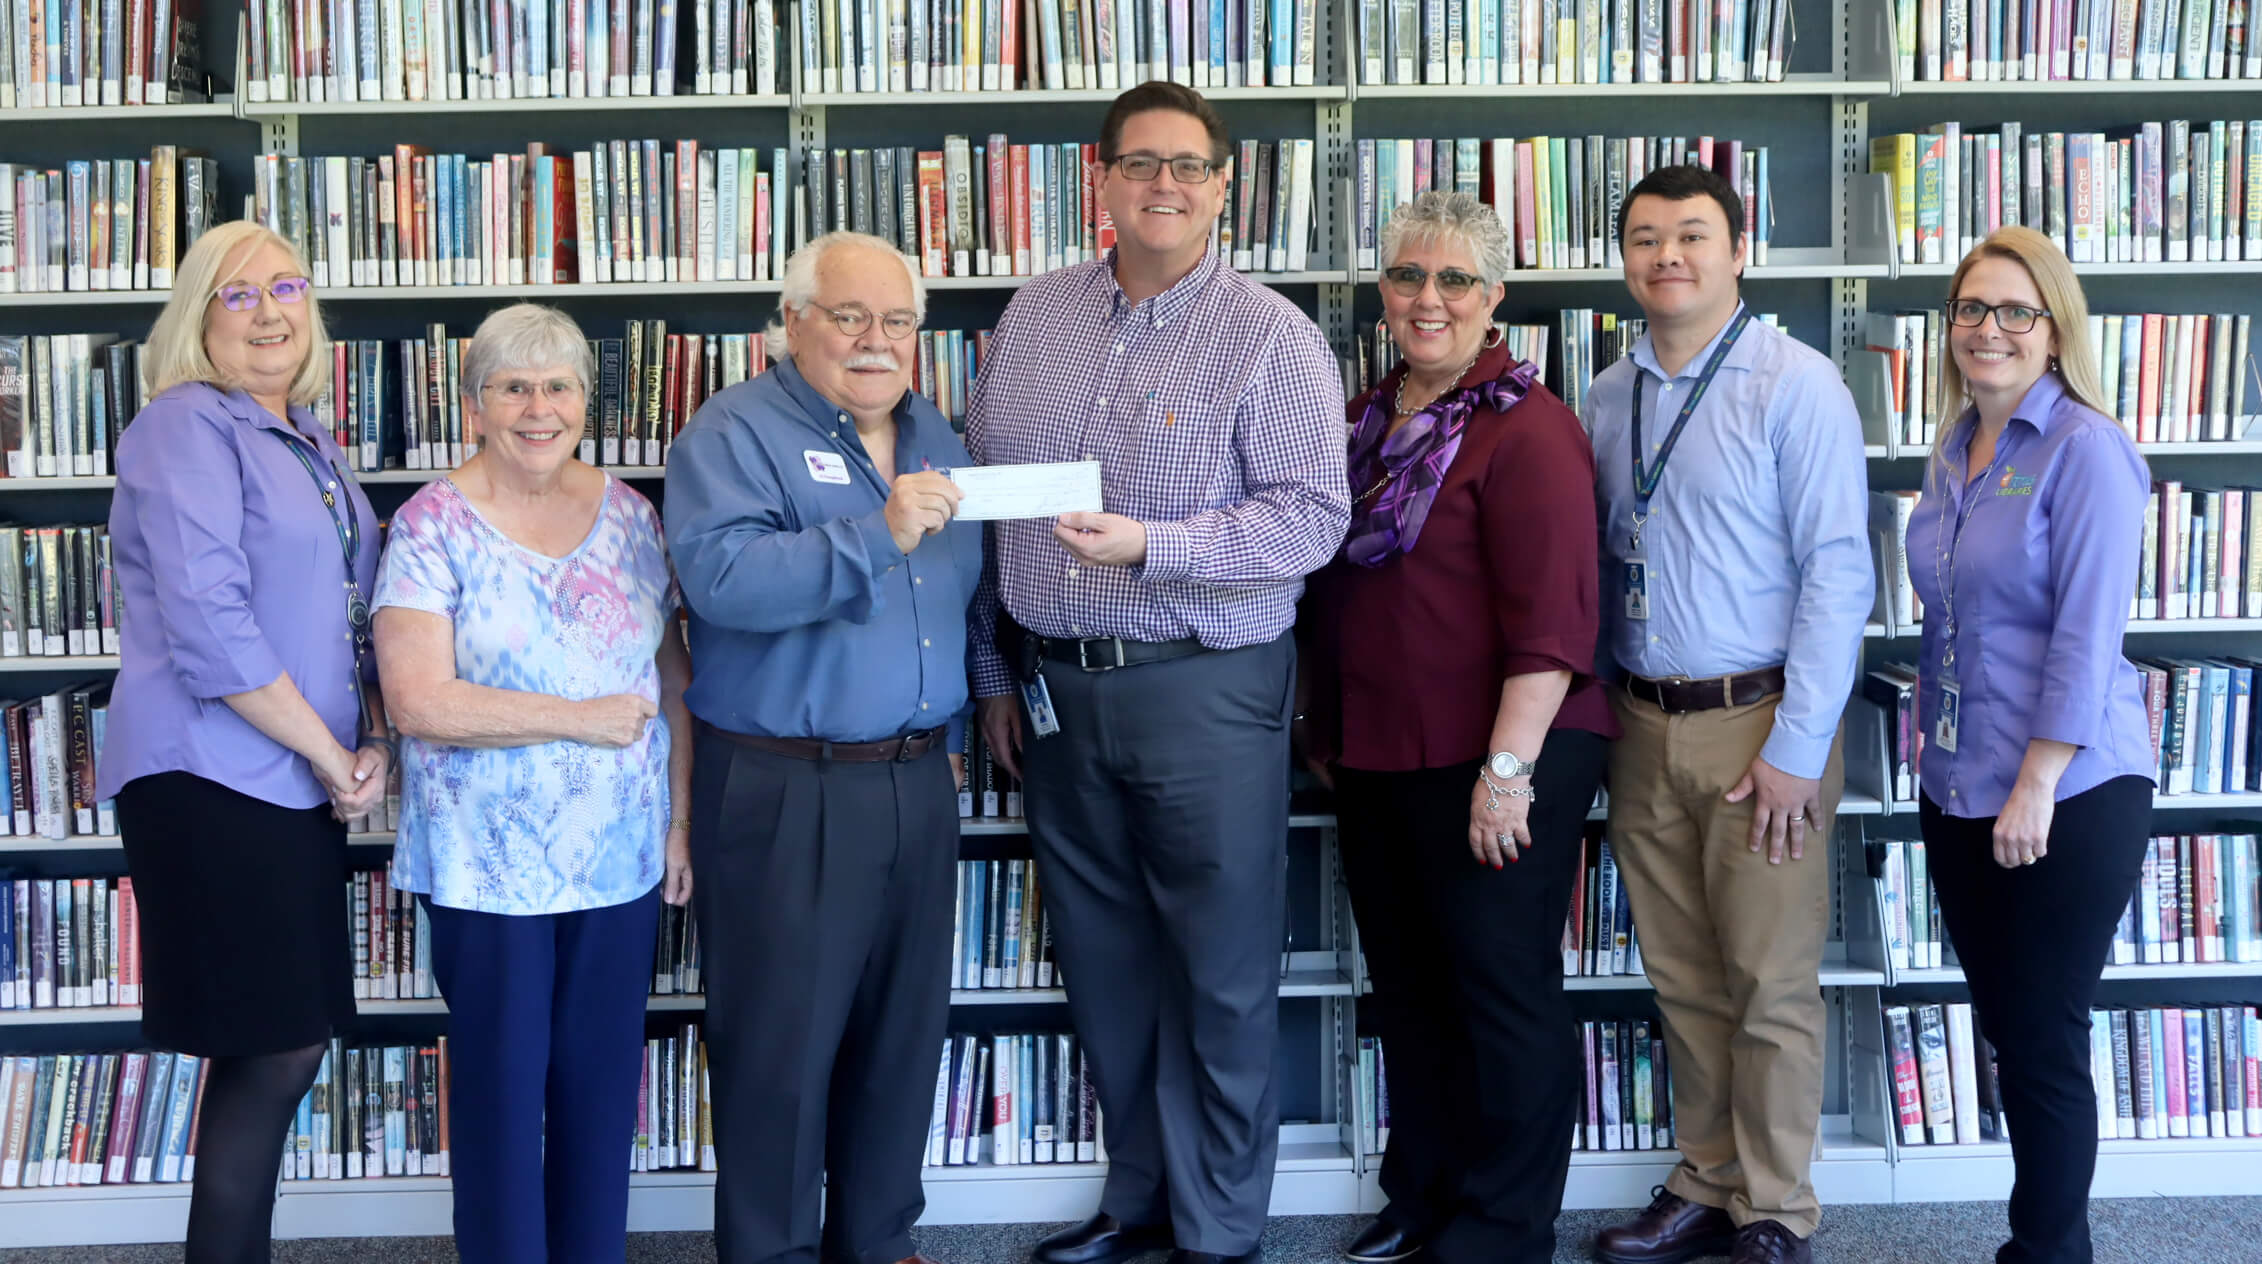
(1771, 1242)
(1670, 1230)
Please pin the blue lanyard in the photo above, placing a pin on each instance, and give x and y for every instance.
(1646, 478)
(348, 525)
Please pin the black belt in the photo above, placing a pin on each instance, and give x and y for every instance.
(896, 750)
(1106, 653)
(1679, 697)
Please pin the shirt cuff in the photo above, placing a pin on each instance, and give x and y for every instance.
(2064, 718)
(230, 670)
(1170, 553)
(879, 542)
(1799, 756)
(992, 679)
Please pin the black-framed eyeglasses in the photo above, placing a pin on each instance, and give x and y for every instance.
(1145, 167)
(853, 320)
(2011, 318)
(1406, 281)
(242, 296)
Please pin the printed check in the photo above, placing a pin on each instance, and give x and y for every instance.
(998, 492)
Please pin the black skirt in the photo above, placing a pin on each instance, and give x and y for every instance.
(244, 942)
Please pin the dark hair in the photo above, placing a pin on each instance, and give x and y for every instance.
(1679, 184)
(1160, 94)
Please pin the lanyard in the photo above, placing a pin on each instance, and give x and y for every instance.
(1945, 552)
(348, 525)
(1646, 478)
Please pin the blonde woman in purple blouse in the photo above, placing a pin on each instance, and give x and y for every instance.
(245, 726)
(2038, 764)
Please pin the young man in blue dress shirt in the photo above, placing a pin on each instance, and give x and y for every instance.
(828, 586)
(1737, 581)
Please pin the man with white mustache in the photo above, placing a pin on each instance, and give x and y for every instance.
(1159, 810)
(811, 525)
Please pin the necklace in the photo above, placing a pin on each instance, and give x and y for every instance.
(1398, 402)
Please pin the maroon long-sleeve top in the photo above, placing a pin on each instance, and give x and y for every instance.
(1406, 660)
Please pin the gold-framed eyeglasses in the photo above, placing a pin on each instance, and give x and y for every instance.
(520, 393)
(242, 296)
(1145, 167)
(2011, 318)
(852, 320)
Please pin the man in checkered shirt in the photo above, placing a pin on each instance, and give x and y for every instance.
(1159, 810)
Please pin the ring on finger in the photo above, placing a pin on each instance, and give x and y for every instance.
(1800, 819)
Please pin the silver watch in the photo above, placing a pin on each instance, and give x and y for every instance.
(1505, 764)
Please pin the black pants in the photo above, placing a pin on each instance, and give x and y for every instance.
(824, 899)
(1159, 817)
(2033, 941)
(1480, 1051)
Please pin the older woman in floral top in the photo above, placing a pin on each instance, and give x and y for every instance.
(526, 628)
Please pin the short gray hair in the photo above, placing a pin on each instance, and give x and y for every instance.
(800, 281)
(1457, 218)
(525, 336)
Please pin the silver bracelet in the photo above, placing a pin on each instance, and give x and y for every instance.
(1498, 790)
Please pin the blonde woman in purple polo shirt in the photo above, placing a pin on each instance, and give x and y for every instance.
(2038, 773)
(245, 726)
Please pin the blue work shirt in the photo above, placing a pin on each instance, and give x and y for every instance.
(806, 619)
(2052, 542)
(1756, 544)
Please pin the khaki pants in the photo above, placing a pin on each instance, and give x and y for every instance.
(1733, 945)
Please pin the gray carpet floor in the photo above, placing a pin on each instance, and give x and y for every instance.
(2125, 1231)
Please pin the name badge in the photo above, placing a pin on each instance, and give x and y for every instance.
(826, 467)
(1037, 696)
(1637, 588)
(1951, 712)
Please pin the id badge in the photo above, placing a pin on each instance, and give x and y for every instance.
(1037, 697)
(1637, 588)
(1951, 708)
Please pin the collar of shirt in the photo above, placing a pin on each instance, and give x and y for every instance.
(251, 412)
(828, 419)
(2038, 408)
(1645, 356)
(1168, 305)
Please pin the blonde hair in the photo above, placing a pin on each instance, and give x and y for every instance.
(176, 351)
(2054, 280)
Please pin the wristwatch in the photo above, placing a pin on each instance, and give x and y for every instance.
(1505, 764)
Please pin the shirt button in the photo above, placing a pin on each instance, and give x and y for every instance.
(1666, 389)
(918, 579)
(922, 706)
(1101, 401)
(924, 642)
(1653, 640)
(1118, 349)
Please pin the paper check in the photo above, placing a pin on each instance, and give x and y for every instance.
(995, 492)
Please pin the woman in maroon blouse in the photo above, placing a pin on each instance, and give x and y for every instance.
(1448, 649)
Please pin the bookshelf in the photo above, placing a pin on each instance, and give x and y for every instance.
(1831, 262)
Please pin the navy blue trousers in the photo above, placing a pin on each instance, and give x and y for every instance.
(545, 1049)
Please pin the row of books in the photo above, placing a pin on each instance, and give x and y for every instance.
(1024, 1097)
(1598, 934)
(456, 50)
(120, 52)
(103, 223)
(675, 1126)
(99, 1119)
(2177, 1072)
(2167, 378)
(1077, 45)
(2028, 40)
(1558, 196)
(2152, 192)
(1945, 1090)
(47, 778)
(1003, 936)
(1628, 1101)
(1455, 42)
(64, 400)
(2195, 902)
(392, 940)
(69, 943)
(675, 953)
(372, 1112)
(58, 594)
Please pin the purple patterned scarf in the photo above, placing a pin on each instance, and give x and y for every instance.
(1415, 459)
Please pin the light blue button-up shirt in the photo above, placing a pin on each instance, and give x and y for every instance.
(2051, 545)
(1756, 541)
(806, 620)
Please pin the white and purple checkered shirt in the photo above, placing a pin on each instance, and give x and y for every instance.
(1216, 412)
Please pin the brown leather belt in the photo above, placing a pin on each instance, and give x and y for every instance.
(900, 750)
(1675, 696)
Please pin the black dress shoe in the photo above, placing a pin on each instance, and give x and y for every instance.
(1254, 1255)
(1101, 1240)
(1381, 1241)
